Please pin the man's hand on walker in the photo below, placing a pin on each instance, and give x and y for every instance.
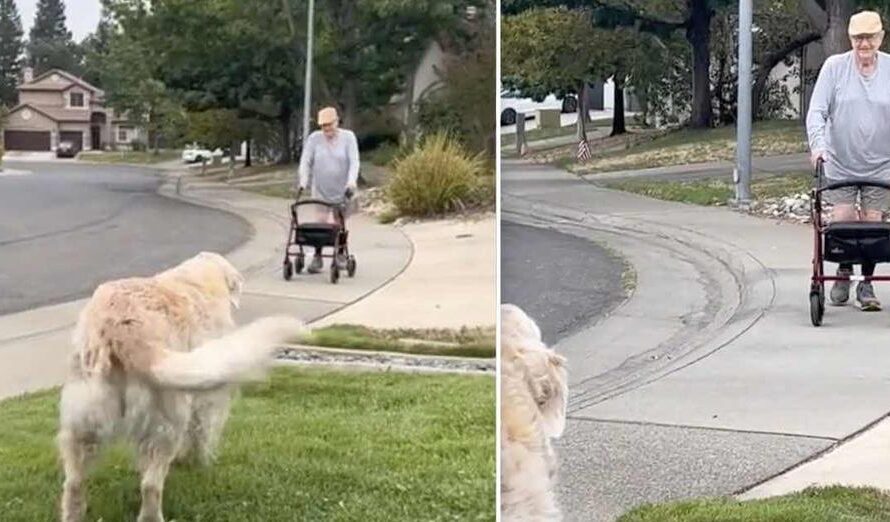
(815, 156)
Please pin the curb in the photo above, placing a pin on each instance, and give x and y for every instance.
(365, 367)
(350, 351)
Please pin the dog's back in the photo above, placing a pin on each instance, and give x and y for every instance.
(127, 324)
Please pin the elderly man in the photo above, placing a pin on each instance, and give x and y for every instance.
(847, 126)
(330, 162)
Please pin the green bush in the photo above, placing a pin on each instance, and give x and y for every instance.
(439, 176)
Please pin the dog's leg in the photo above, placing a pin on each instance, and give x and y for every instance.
(211, 411)
(76, 453)
(154, 463)
(158, 449)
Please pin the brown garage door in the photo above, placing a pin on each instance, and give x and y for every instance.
(75, 137)
(26, 140)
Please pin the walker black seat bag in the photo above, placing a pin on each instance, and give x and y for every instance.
(318, 234)
(857, 242)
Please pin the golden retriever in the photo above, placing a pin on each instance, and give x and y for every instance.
(534, 394)
(156, 360)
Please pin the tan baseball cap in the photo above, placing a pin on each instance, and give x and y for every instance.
(866, 22)
(327, 115)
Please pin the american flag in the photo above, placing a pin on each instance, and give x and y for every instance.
(583, 151)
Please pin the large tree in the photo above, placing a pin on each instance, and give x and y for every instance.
(250, 56)
(50, 44)
(552, 50)
(658, 17)
(96, 46)
(11, 47)
(561, 50)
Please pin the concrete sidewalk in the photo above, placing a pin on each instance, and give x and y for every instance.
(35, 344)
(449, 283)
(710, 379)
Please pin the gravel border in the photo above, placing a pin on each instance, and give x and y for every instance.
(384, 361)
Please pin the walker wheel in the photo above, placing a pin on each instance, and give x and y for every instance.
(288, 270)
(817, 306)
(335, 272)
(350, 266)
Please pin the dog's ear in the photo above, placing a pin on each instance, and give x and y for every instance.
(234, 279)
(554, 410)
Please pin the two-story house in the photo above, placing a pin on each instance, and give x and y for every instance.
(58, 106)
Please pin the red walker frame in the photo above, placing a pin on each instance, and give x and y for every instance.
(818, 279)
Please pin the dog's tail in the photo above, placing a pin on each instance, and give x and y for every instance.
(238, 356)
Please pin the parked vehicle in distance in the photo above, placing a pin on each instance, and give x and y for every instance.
(66, 149)
(194, 155)
(512, 105)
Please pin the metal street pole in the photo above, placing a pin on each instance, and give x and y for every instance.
(743, 121)
(307, 87)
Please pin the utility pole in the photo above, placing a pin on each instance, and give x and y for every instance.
(743, 121)
(307, 87)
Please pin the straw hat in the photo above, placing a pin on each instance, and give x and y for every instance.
(866, 22)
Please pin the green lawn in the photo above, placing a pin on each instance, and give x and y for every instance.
(467, 342)
(309, 444)
(147, 157)
(832, 504)
(543, 134)
(716, 192)
(687, 146)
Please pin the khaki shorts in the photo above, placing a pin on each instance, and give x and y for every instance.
(870, 198)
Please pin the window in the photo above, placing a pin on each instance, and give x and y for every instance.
(77, 99)
(123, 134)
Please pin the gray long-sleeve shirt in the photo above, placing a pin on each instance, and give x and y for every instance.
(329, 165)
(849, 118)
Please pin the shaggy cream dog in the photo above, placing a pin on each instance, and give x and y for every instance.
(156, 361)
(534, 393)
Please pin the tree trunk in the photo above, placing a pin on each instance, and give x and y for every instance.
(580, 124)
(698, 34)
(349, 101)
(284, 118)
(233, 151)
(836, 40)
(618, 110)
(585, 93)
(247, 161)
(718, 88)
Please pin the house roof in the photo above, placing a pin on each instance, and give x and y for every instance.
(56, 113)
(74, 80)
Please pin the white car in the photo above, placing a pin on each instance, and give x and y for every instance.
(512, 104)
(196, 155)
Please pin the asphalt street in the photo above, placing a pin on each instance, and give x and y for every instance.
(581, 280)
(67, 227)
